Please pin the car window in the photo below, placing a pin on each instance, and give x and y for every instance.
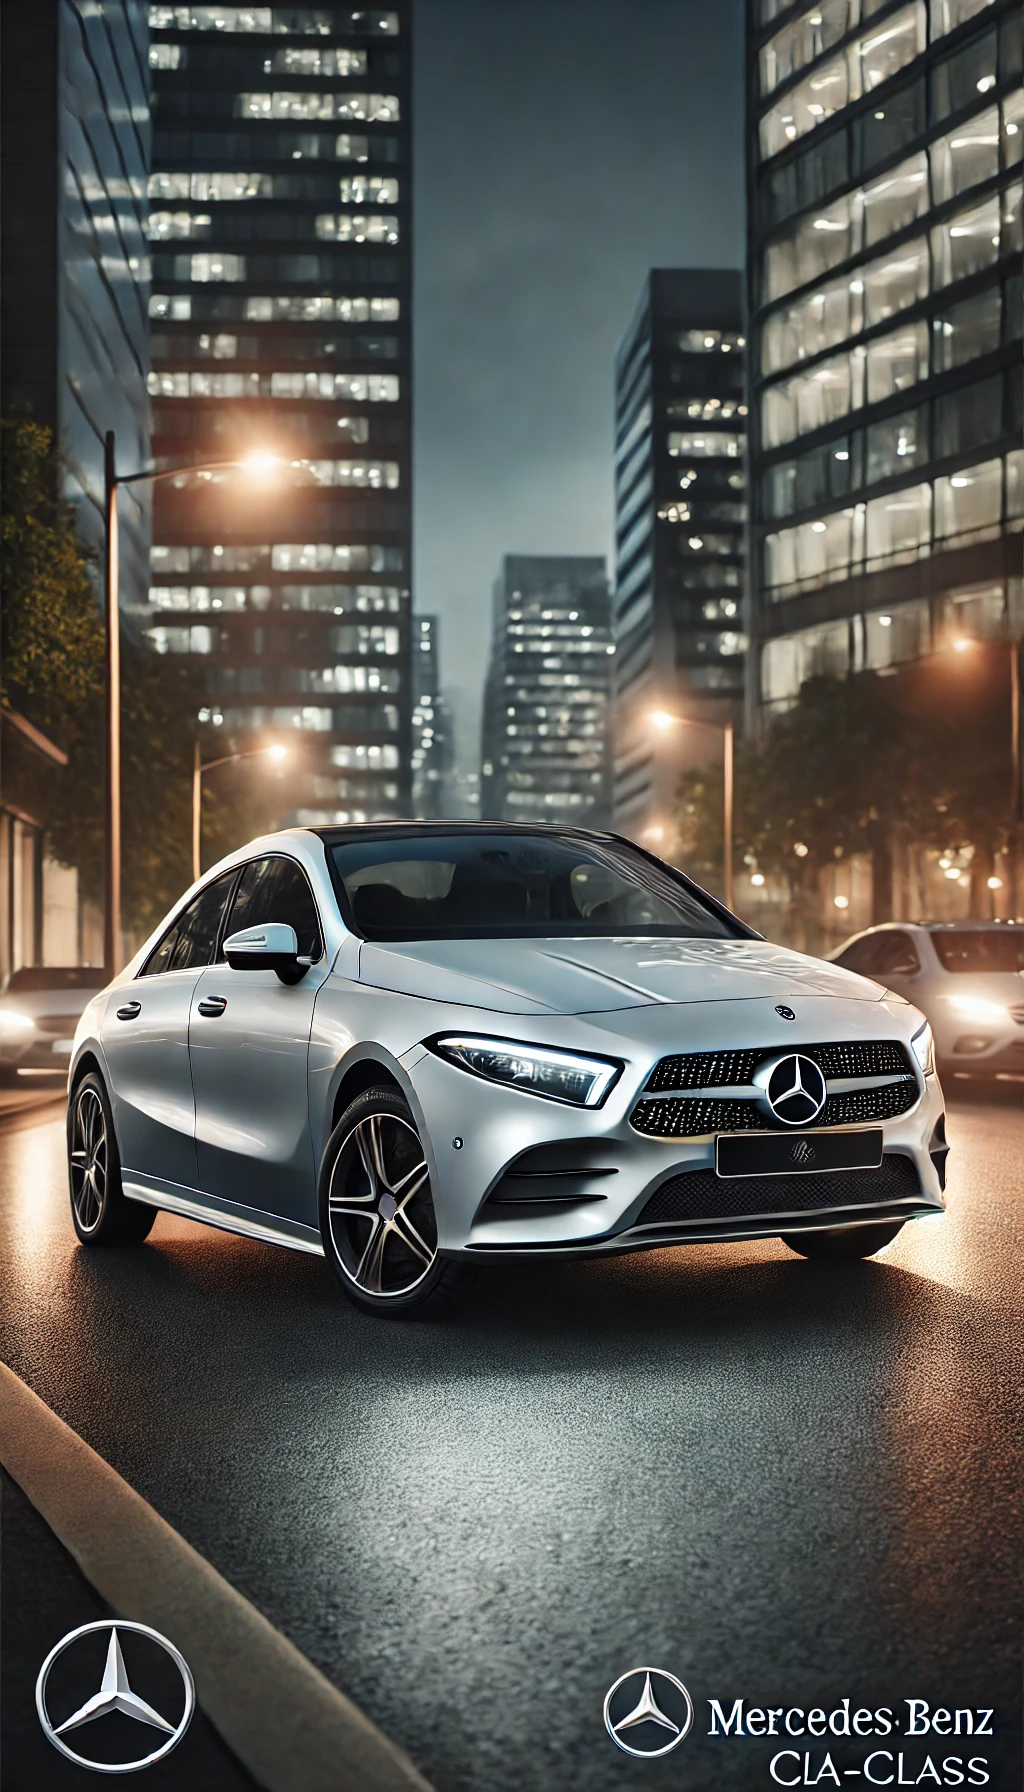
(981, 950)
(857, 957)
(276, 889)
(191, 940)
(516, 885)
(897, 955)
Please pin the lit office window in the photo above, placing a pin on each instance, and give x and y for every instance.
(368, 189)
(365, 638)
(894, 42)
(958, 80)
(895, 445)
(968, 242)
(899, 526)
(167, 56)
(328, 556)
(1015, 487)
(318, 62)
(810, 400)
(163, 227)
(211, 186)
(1013, 127)
(368, 758)
(826, 317)
(357, 227)
(706, 446)
(177, 306)
(893, 283)
(817, 552)
(372, 388)
(183, 640)
(787, 663)
(858, 70)
(891, 637)
(967, 330)
(804, 41)
(303, 309)
(317, 105)
(948, 14)
(969, 502)
(347, 680)
(894, 201)
(708, 342)
(201, 268)
(966, 157)
(895, 362)
(294, 21)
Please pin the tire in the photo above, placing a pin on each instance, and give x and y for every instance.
(844, 1243)
(381, 1242)
(99, 1211)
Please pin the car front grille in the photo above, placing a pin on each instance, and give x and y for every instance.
(667, 1110)
(701, 1195)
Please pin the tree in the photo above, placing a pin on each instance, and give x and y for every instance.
(52, 668)
(852, 764)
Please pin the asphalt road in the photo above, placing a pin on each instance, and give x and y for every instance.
(786, 1483)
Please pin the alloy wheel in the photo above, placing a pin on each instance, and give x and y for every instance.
(379, 1207)
(89, 1159)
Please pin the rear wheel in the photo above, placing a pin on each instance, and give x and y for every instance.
(99, 1210)
(843, 1242)
(377, 1212)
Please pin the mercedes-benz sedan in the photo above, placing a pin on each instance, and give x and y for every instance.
(415, 1047)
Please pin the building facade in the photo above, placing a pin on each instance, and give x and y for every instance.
(547, 701)
(74, 289)
(887, 476)
(280, 225)
(431, 723)
(680, 500)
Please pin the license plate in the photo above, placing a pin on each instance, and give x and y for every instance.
(789, 1154)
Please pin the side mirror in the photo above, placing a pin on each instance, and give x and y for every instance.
(272, 947)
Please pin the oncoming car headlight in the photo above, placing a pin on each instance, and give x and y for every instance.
(14, 1026)
(923, 1047)
(536, 1069)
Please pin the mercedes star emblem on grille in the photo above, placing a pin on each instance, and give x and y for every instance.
(786, 1013)
(643, 1708)
(794, 1089)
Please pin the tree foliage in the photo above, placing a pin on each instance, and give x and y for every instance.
(52, 671)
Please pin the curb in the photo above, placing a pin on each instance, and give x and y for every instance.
(285, 1722)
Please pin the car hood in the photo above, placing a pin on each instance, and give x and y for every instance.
(586, 976)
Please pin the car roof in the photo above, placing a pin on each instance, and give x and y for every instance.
(372, 830)
(939, 927)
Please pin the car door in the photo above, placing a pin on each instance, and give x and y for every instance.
(249, 1046)
(145, 1042)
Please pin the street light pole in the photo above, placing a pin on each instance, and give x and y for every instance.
(112, 784)
(198, 768)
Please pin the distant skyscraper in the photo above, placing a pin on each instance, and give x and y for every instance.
(281, 223)
(680, 495)
(431, 722)
(546, 706)
(884, 267)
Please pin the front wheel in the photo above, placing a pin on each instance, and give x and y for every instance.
(377, 1212)
(842, 1243)
(99, 1210)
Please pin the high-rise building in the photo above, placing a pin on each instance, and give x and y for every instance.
(281, 228)
(885, 305)
(545, 749)
(680, 500)
(431, 723)
(74, 286)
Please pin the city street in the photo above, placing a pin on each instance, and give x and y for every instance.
(784, 1482)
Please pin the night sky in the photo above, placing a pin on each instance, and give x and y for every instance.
(563, 147)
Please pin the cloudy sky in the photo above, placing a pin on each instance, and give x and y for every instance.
(563, 147)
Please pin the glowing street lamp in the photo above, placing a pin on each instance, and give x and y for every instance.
(260, 462)
(199, 766)
(663, 720)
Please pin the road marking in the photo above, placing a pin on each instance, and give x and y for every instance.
(286, 1723)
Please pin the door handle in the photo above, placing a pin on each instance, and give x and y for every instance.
(211, 1005)
(129, 1011)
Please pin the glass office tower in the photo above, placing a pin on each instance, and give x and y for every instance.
(885, 356)
(431, 723)
(545, 752)
(680, 501)
(280, 222)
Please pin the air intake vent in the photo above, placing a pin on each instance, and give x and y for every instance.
(701, 1195)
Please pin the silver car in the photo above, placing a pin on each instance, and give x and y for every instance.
(416, 1047)
(39, 1011)
(966, 976)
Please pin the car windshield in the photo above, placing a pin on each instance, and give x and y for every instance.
(33, 978)
(980, 951)
(479, 885)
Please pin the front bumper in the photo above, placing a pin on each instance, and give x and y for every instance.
(590, 1177)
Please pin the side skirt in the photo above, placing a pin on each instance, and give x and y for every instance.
(226, 1219)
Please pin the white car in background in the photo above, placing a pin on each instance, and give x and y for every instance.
(39, 1014)
(966, 976)
(415, 1047)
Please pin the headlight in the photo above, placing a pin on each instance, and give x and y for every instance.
(14, 1026)
(977, 1007)
(923, 1047)
(561, 1076)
